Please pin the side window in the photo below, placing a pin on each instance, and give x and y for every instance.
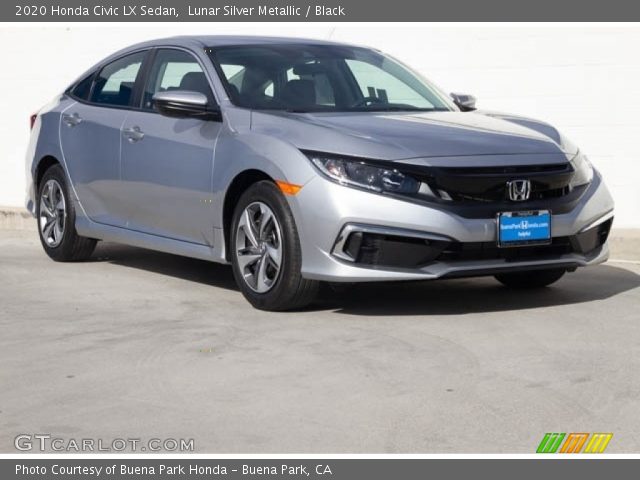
(114, 84)
(83, 87)
(377, 83)
(175, 70)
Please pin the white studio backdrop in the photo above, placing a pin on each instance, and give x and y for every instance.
(582, 78)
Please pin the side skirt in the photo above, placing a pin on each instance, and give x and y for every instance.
(88, 228)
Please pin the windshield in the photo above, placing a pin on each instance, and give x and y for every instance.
(318, 78)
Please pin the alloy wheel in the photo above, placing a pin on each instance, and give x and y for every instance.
(258, 247)
(53, 213)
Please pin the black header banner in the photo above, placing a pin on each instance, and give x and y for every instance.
(316, 10)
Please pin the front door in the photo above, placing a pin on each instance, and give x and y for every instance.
(167, 163)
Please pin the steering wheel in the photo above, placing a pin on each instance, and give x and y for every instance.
(367, 101)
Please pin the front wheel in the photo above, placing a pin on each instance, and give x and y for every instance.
(265, 251)
(531, 279)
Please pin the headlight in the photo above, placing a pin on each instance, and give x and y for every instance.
(583, 170)
(359, 173)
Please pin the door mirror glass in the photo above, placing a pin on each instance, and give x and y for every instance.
(464, 101)
(185, 103)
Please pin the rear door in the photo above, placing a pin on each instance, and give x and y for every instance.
(167, 163)
(90, 138)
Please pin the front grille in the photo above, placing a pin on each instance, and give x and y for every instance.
(489, 184)
(469, 251)
(508, 169)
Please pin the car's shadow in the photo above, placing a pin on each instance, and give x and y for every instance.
(185, 268)
(477, 295)
(446, 297)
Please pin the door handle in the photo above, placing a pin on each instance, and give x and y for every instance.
(133, 134)
(71, 120)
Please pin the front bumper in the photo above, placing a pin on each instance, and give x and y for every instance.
(327, 213)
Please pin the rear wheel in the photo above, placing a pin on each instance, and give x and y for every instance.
(56, 220)
(265, 251)
(531, 279)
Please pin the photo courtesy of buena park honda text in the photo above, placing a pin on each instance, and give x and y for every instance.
(332, 239)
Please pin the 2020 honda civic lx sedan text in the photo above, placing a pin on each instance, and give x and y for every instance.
(301, 161)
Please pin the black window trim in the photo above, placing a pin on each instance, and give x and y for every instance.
(136, 87)
(141, 79)
(145, 70)
(72, 87)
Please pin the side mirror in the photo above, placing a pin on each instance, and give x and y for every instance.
(185, 104)
(465, 102)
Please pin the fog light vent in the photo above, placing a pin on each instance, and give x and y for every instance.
(392, 251)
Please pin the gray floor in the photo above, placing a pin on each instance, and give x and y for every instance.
(141, 344)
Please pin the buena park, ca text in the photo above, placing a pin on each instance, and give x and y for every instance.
(171, 470)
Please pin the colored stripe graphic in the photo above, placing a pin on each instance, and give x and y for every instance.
(574, 443)
(550, 443)
(598, 443)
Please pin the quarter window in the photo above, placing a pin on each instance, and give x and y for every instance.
(115, 82)
(83, 87)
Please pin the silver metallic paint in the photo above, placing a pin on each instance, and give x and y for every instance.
(167, 190)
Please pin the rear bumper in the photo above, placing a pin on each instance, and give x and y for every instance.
(328, 215)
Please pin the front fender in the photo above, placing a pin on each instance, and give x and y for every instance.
(237, 152)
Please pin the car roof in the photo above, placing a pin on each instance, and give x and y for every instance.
(222, 40)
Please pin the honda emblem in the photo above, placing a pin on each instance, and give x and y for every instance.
(519, 190)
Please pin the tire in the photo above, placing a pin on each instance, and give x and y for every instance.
(530, 279)
(56, 219)
(265, 251)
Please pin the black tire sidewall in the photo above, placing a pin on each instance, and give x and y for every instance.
(289, 275)
(62, 250)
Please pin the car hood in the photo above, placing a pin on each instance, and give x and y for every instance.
(407, 135)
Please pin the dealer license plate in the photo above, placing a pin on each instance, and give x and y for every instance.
(524, 228)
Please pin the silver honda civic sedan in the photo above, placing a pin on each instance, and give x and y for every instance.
(303, 161)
